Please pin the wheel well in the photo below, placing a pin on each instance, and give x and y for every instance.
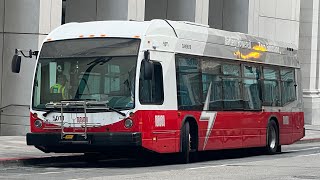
(193, 132)
(276, 121)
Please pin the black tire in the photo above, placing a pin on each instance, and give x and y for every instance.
(185, 143)
(272, 138)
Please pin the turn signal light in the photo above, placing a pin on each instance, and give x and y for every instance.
(35, 116)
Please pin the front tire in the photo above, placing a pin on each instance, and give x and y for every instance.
(272, 138)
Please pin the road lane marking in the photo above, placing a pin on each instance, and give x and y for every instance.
(308, 155)
(204, 167)
(306, 149)
(55, 172)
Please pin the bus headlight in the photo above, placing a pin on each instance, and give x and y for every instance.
(128, 123)
(38, 123)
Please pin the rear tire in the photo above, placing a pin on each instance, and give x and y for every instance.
(185, 143)
(272, 138)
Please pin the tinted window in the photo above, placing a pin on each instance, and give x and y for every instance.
(91, 47)
(271, 94)
(189, 83)
(151, 91)
(251, 87)
(212, 77)
(288, 86)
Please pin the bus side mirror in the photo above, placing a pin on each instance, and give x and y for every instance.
(148, 69)
(16, 63)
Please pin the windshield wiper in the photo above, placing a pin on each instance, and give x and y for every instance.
(103, 105)
(117, 111)
(48, 111)
(85, 77)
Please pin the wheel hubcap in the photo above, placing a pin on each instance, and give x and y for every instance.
(189, 142)
(272, 137)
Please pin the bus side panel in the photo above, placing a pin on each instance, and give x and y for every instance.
(233, 130)
(231, 127)
(160, 130)
(286, 120)
(253, 128)
(298, 127)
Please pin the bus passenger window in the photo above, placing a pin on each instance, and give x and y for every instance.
(288, 90)
(232, 98)
(151, 91)
(271, 94)
(189, 85)
(251, 88)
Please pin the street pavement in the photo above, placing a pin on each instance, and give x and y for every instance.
(14, 151)
(297, 161)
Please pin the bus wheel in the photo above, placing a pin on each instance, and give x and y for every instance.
(185, 143)
(272, 138)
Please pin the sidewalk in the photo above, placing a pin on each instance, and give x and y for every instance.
(13, 149)
(312, 133)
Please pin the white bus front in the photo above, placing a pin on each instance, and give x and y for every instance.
(83, 93)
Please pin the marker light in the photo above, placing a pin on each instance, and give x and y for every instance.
(35, 115)
(128, 123)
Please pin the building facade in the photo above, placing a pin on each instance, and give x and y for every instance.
(25, 23)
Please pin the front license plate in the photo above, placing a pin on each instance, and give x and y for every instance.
(68, 136)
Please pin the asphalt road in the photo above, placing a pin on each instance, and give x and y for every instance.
(298, 161)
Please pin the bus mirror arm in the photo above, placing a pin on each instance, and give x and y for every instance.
(148, 66)
(16, 59)
(29, 55)
(146, 55)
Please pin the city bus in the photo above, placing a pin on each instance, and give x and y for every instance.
(163, 86)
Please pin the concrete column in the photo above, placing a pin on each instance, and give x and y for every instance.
(202, 11)
(136, 10)
(275, 20)
(309, 58)
(23, 25)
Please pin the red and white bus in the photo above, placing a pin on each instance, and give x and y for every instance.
(164, 86)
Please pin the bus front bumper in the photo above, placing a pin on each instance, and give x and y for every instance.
(53, 142)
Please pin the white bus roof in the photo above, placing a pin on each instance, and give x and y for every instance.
(129, 29)
(218, 43)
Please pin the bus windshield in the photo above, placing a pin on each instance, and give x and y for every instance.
(95, 69)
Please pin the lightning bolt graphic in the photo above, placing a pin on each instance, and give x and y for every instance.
(208, 116)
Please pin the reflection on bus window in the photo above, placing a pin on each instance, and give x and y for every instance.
(271, 94)
(151, 91)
